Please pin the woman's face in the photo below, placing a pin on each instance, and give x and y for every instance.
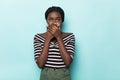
(54, 19)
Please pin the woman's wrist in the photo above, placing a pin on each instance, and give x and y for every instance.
(59, 38)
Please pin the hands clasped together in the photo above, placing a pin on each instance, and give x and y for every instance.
(53, 31)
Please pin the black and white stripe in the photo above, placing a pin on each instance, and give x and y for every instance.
(54, 58)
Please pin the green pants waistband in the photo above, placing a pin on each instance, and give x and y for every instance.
(55, 74)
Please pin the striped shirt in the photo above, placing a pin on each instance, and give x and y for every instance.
(54, 59)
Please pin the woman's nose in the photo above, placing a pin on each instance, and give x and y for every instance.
(55, 23)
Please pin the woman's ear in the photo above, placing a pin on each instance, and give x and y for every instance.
(47, 27)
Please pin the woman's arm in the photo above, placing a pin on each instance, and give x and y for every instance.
(64, 54)
(41, 60)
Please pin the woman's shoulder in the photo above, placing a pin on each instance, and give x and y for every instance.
(40, 34)
(65, 34)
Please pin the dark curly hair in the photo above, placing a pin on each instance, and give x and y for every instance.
(57, 9)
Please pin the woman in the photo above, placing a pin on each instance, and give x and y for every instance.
(54, 49)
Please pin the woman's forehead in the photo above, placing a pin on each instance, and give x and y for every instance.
(54, 14)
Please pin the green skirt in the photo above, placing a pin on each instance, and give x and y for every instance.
(55, 74)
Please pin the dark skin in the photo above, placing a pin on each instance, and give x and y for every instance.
(54, 22)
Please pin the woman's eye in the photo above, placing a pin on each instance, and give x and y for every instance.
(50, 19)
(58, 19)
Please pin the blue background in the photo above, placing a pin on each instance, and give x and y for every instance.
(95, 23)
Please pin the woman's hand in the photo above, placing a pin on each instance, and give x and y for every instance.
(49, 35)
(54, 30)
